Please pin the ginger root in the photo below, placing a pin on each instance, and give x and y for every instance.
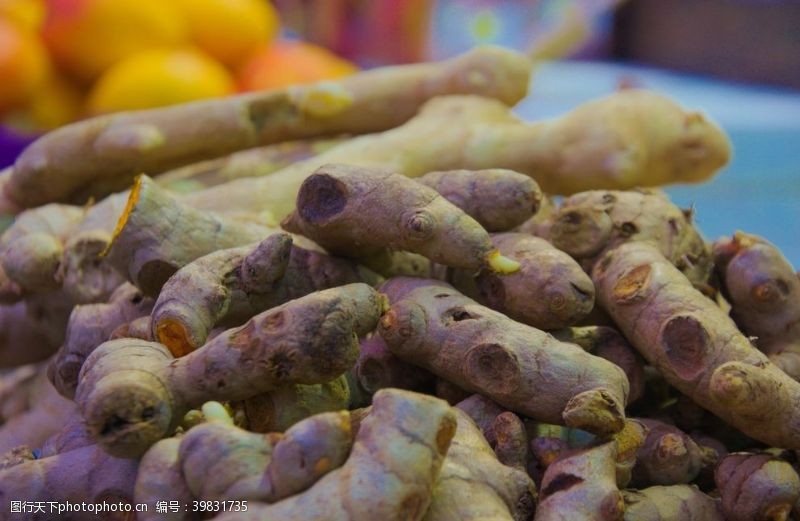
(309, 340)
(695, 345)
(390, 473)
(669, 456)
(582, 486)
(227, 287)
(85, 475)
(764, 292)
(591, 223)
(627, 139)
(498, 199)
(606, 342)
(550, 290)
(361, 212)
(32, 247)
(521, 368)
(89, 326)
(670, 503)
(119, 146)
(157, 235)
(278, 410)
(471, 470)
(377, 368)
(756, 487)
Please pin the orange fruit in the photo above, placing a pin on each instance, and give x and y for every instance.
(86, 37)
(230, 30)
(23, 64)
(25, 13)
(159, 77)
(290, 63)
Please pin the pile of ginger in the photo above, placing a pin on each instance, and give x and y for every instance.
(387, 297)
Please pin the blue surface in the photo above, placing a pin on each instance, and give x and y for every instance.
(758, 192)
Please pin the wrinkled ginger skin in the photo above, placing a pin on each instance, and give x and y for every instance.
(227, 287)
(582, 486)
(764, 292)
(617, 142)
(498, 199)
(563, 292)
(668, 457)
(377, 368)
(254, 162)
(696, 346)
(88, 475)
(157, 235)
(278, 410)
(756, 487)
(357, 212)
(221, 462)
(390, 473)
(521, 368)
(473, 485)
(588, 224)
(89, 326)
(670, 503)
(32, 247)
(125, 144)
(607, 343)
(309, 340)
(159, 470)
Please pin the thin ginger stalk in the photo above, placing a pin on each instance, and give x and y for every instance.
(521, 368)
(362, 212)
(157, 235)
(564, 293)
(254, 162)
(498, 199)
(309, 340)
(119, 146)
(627, 139)
(396, 458)
(228, 286)
(695, 345)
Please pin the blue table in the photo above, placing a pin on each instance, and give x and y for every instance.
(758, 192)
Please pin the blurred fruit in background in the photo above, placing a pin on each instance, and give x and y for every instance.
(157, 78)
(86, 37)
(62, 60)
(23, 64)
(229, 30)
(290, 62)
(28, 14)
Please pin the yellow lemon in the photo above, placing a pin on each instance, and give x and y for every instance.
(86, 37)
(25, 13)
(157, 78)
(230, 30)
